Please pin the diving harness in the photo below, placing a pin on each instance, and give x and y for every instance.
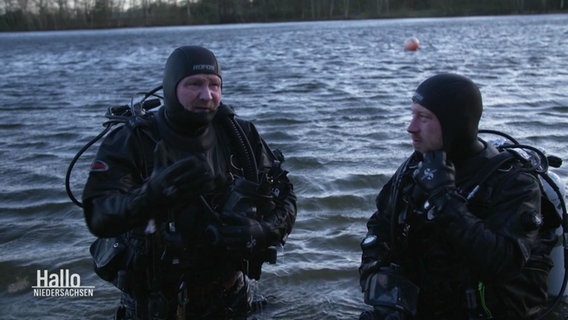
(551, 189)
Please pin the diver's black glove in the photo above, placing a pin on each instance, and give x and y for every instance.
(185, 176)
(170, 181)
(391, 294)
(434, 175)
(242, 235)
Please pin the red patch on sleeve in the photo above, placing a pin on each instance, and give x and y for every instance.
(99, 166)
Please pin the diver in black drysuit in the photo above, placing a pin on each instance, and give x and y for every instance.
(444, 252)
(171, 186)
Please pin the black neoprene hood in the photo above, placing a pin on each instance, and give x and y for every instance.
(456, 102)
(185, 61)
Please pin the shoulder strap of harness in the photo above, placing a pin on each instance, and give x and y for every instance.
(494, 163)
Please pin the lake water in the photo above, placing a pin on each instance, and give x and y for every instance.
(333, 96)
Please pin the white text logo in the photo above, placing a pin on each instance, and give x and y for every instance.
(60, 284)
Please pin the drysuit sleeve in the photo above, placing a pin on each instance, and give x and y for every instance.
(113, 202)
(375, 249)
(384, 222)
(498, 239)
(379, 225)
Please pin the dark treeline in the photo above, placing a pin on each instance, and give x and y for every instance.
(27, 15)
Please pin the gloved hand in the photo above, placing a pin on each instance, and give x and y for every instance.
(170, 181)
(434, 174)
(184, 176)
(241, 235)
(390, 293)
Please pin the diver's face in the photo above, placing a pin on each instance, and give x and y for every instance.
(425, 130)
(199, 92)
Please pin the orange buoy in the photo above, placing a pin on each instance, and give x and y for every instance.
(411, 44)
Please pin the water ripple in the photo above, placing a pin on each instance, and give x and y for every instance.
(334, 96)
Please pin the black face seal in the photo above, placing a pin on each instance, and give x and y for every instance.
(183, 62)
(456, 102)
